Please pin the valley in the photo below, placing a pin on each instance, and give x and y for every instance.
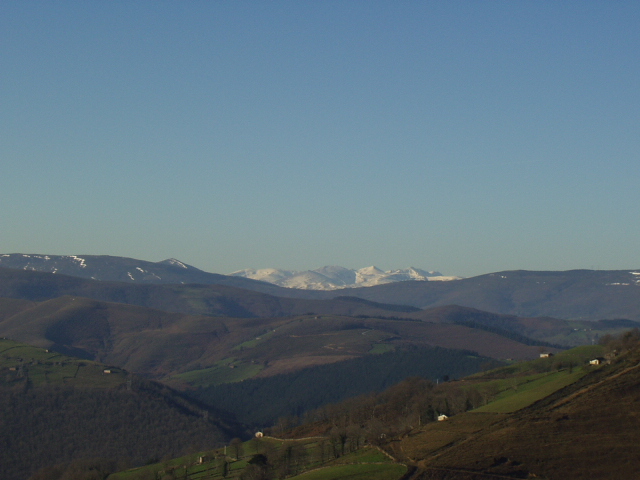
(243, 360)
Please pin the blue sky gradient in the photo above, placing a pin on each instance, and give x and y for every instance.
(467, 137)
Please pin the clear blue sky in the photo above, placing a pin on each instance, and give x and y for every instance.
(468, 137)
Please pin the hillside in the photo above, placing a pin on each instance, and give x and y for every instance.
(531, 331)
(262, 401)
(194, 299)
(161, 344)
(129, 270)
(574, 294)
(552, 418)
(55, 409)
(582, 431)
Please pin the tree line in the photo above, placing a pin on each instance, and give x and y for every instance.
(260, 402)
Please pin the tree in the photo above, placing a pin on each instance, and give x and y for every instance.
(236, 447)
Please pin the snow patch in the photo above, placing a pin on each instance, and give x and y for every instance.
(130, 276)
(173, 261)
(81, 261)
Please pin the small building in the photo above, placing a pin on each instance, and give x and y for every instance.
(442, 417)
(546, 355)
(597, 361)
(106, 370)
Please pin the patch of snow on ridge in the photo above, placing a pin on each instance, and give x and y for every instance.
(81, 261)
(173, 261)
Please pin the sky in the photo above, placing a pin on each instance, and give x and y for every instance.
(466, 137)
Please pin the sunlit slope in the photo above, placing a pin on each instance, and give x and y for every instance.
(586, 429)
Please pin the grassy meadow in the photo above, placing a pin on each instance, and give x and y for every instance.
(19, 362)
(304, 459)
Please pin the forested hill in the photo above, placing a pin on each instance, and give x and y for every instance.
(193, 299)
(262, 401)
(55, 409)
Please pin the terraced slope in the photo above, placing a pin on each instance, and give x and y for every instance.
(586, 430)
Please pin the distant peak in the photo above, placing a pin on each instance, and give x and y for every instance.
(372, 269)
(173, 261)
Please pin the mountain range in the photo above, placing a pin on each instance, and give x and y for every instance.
(573, 294)
(335, 277)
(122, 269)
(220, 338)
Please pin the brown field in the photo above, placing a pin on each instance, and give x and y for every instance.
(588, 430)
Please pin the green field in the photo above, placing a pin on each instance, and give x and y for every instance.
(225, 371)
(355, 472)
(313, 461)
(379, 348)
(19, 362)
(530, 389)
(255, 341)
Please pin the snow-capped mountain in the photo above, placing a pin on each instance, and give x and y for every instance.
(123, 269)
(334, 277)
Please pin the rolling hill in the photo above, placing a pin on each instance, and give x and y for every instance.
(129, 270)
(195, 299)
(56, 409)
(574, 294)
(164, 344)
(550, 419)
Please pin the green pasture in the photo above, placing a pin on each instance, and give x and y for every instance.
(365, 463)
(364, 455)
(19, 362)
(365, 471)
(522, 392)
(575, 357)
(580, 355)
(255, 341)
(224, 371)
(379, 348)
